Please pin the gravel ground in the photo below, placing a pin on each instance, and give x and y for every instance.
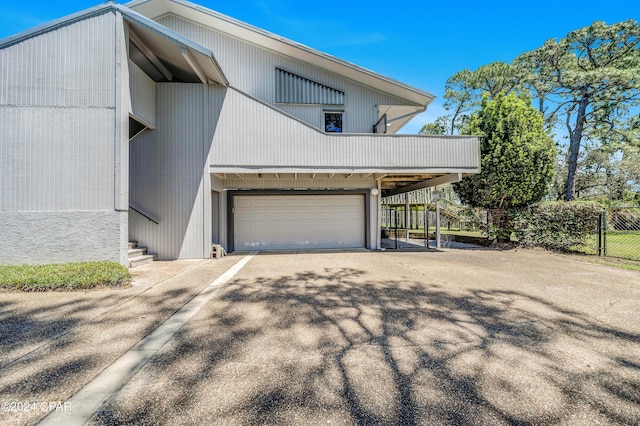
(449, 337)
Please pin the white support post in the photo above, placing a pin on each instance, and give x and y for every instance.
(437, 197)
(378, 238)
(406, 216)
(425, 225)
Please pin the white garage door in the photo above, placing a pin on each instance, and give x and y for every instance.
(277, 222)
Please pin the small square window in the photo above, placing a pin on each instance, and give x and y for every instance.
(333, 121)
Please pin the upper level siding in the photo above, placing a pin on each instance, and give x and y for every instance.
(57, 115)
(252, 69)
(68, 66)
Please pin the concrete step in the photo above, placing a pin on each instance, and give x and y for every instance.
(136, 252)
(133, 244)
(142, 260)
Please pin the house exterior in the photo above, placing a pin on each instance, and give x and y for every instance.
(167, 123)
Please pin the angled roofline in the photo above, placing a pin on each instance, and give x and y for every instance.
(266, 39)
(129, 15)
(50, 25)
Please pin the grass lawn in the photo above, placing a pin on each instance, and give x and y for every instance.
(63, 277)
(618, 263)
(625, 245)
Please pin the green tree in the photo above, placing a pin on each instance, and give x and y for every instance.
(608, 171)
(464, 90)
(440, 126)
(459, 96)
(586, 80)
(518, 157)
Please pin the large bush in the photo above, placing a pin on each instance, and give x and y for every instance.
(518, 155)
(559, 225)
(518, 158)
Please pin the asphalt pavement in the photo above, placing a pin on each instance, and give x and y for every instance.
(470, 336)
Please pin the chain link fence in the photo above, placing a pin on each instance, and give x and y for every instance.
(617, 233)
(620, 233)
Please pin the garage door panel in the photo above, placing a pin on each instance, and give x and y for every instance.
(276, 222)
(242, 202)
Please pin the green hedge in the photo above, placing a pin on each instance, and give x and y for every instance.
(559, 225)
(65, 276)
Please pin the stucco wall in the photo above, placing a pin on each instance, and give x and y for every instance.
(60, 236)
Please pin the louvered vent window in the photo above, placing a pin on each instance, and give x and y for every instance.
(293, 89)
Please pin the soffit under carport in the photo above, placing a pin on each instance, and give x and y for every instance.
(400, 183)
(390, 183)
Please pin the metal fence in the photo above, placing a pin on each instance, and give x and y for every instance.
(619, 234)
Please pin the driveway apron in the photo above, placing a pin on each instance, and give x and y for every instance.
(449, 337)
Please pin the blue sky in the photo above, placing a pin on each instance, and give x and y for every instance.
(420, 43)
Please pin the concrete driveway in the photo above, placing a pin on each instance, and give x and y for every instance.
(450, 337)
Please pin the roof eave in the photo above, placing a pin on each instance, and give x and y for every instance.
(182, 41)
(129, 15)
(255, 35)
(48, 26)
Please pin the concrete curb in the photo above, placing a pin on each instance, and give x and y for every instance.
(94, 394)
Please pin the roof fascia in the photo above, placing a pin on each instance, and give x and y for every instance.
(65, 20)
(261, 37)
(129, 15)
(162, 30)
(178, 39)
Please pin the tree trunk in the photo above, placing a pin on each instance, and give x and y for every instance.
(574, 147)
(501, 219)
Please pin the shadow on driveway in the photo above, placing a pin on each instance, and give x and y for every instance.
(339, 345)
(52, 343)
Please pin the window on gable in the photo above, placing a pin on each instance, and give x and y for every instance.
(294, 89)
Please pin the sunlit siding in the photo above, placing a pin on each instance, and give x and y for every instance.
(293, 89)
(250, 134)
(143, 94)
(56, 158)
(70, 66)
(252, 69)
(59, 142)
(57, 109)
(167, 166)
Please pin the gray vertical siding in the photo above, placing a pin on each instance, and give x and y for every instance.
(143, 94)
(59, 145)
(250, 135)
(252, 70)
(57, 139)
(167, 167)
(70, 66)
(293, 89)
(121, 142)
(56, 158)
